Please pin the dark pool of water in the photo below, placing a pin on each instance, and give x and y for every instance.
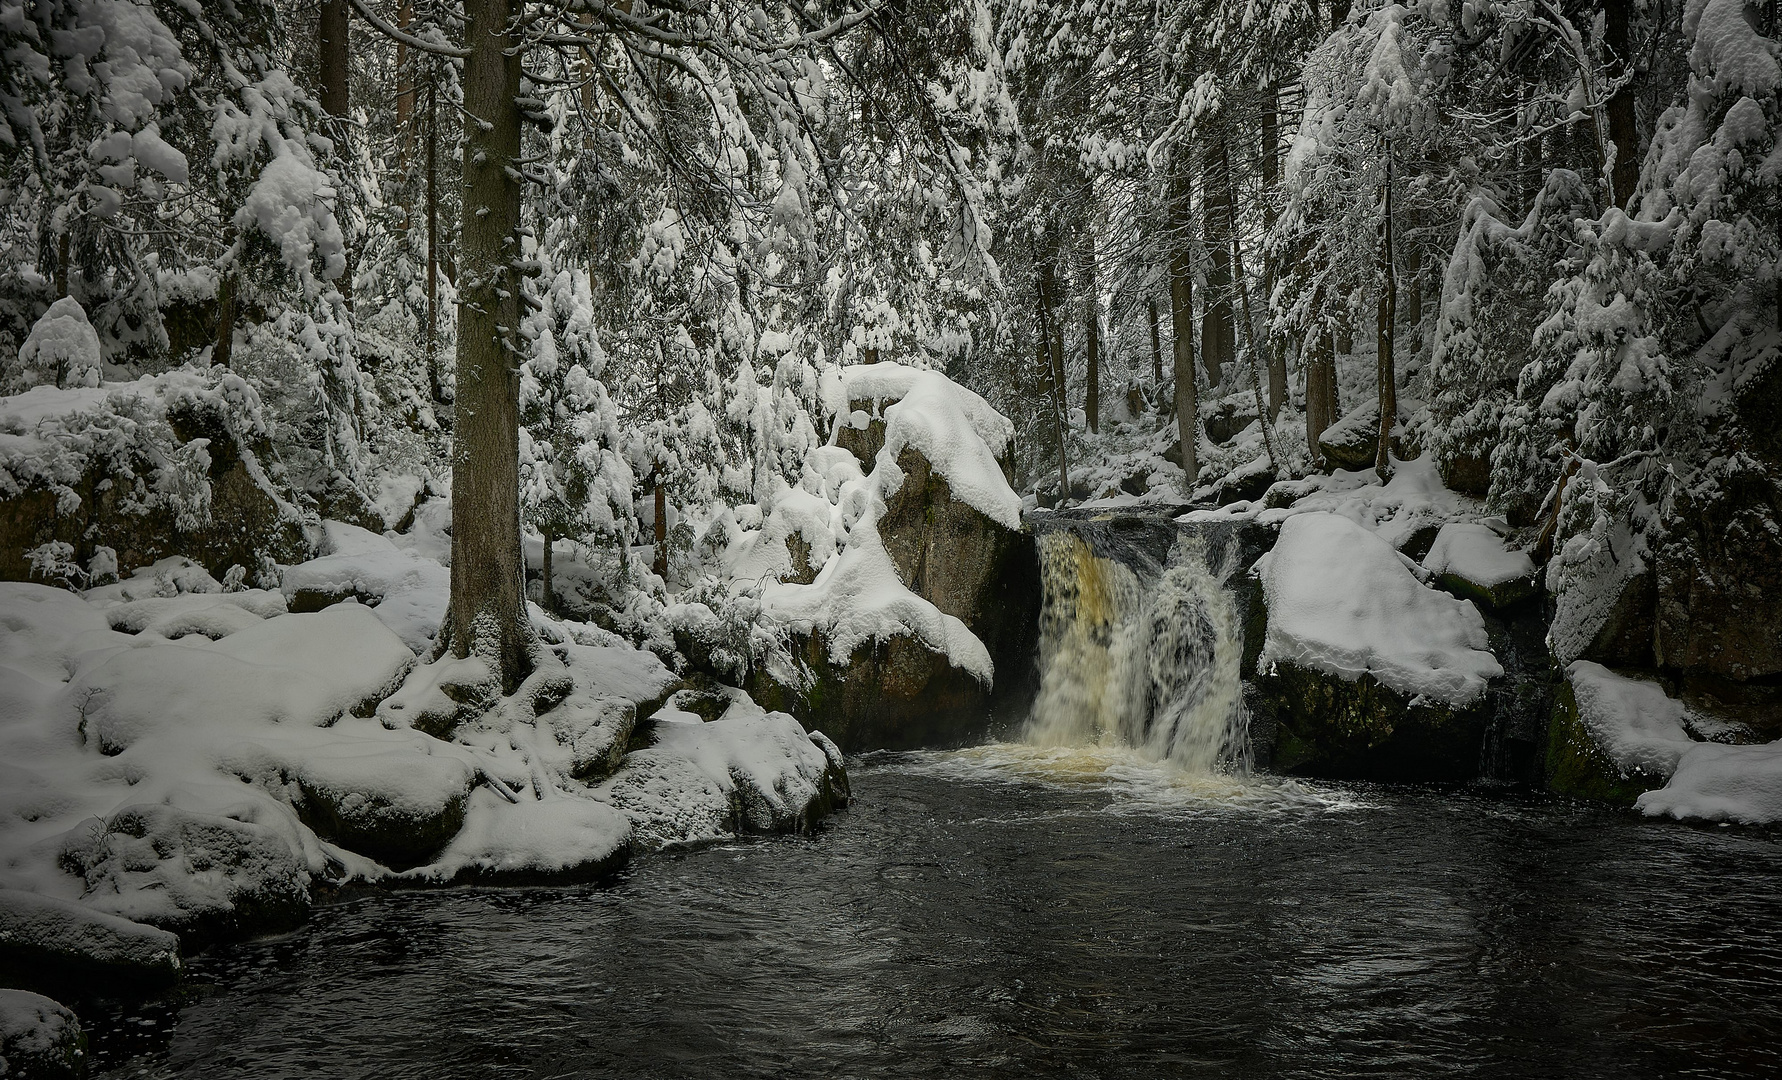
(973, 916)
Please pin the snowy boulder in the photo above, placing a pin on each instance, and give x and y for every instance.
(168, 464)
(407, 591)
(394, 803)
(750, 772)
(61, 941)
(1712, 782)
(561, 839)
(39, 1039)
(1367, 670)
(1470, 561)
(62, 349)
(1353, 442)
(203, 876)
(1613, 737)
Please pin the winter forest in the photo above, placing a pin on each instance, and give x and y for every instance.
(494, 441)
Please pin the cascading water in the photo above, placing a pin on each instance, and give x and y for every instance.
(1146, 657)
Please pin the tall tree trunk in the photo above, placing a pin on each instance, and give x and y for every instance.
(1321, 390)
(486, 615)
(1052, 334)
(405, 89)
(223, 352)
(1156, 341)
(333, 56)
(433, 373)
(1181, 324)
(1388, 318)
(660, 524)
(1265, 414)
(1091, 331)
(548, 597)
(1271, 182)
(1617, 14)
(1218, 332)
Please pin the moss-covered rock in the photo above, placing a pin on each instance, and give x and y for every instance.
(39, 1038)
(1332, 727)
(1578, 767)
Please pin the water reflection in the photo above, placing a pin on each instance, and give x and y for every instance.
(1009, 911)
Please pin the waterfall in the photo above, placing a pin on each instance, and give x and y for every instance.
(1145, 656)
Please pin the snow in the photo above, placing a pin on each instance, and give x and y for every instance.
(31, 1028)
(1474, 552)
(1635, 722)
(1342, 601)
(409, 590)
(68, 929)
(553, 837)
(888, 381)
(1713, 782)
(962, 441)
(62, 349)
(1412, 499)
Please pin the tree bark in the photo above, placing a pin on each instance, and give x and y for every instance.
(1052, 337)
(660, 525)
(1156, 341)
(1271, 181)
(1091, 332)
(433, 374)
(486, 615)
(1181, 320)
(1321, 390)
(405, 89)
(1388, 317)
(1218, 332)
(1617, 15)
(1265, 414)
(332, 54)
(547, 598)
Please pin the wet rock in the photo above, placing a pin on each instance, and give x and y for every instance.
(39, 1039)
(1718, 583)
(1332, 727)
(45, 941)
(204, 877)
(1246, 483)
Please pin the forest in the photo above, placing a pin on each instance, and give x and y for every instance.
(468, 441)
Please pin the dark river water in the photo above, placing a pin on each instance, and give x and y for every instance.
(1007, 912)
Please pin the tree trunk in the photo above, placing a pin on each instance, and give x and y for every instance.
(1181, 323)
(1271, 182)
(547, 598)
(224, 350)
(1321, 390)
(660, 526)
(1265, 414)
(433, 244)
(333, 55)
(1623, 133)
(1218, 332)
(1156, 341)
(1388, 317)
(1052, 336)
(487, 612)
(405, 90)
(1091, 332)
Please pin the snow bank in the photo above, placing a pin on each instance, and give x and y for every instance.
(1477, 554)
(38, 1037)
(1722, 783)
(1635, 722)
(409, 591)
(1342, 601)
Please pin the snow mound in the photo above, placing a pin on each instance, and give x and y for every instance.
(213, 615)
(1342, 601)
(1722, 783)
(409, 590)
(1475, 553)
(549, 838)
(1635, 722)
(38, 1034)
(44, 925)
(62, 349)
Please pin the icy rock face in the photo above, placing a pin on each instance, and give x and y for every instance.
(82, 943)
(39, 1039)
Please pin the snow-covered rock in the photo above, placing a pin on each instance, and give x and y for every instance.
(39, 1038)
(37, 930)
(407, 590)
(1613, 737)
(1713, 782)
(1341, 601)
(1469, 560)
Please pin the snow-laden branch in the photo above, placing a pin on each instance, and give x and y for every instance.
(403, 37)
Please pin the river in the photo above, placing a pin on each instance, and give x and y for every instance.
(1017, 911)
